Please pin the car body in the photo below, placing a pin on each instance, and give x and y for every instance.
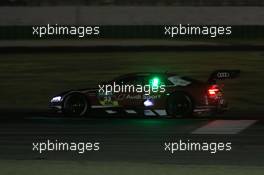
(150, 94)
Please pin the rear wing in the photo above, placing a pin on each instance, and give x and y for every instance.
(223, 74)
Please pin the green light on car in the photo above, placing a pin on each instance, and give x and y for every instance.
(155, 81)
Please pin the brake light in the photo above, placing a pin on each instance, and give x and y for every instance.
(213, 91)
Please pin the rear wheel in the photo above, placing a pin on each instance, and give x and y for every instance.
(179, 105)
(75, 105)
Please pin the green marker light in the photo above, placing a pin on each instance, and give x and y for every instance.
(155, 81)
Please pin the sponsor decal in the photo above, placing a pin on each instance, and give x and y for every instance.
(178, 81)
(137, 97)
(223, 75)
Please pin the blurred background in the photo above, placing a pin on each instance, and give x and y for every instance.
(132, 2)
(29, 79)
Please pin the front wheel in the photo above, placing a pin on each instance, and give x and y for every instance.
(75, 105)
(179, 105)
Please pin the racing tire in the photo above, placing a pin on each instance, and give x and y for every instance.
(75, 105)
(179, 105)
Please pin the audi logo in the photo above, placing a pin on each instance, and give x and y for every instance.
(223, 75)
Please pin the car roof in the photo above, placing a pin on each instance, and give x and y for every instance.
(167, 74)
(147, 74)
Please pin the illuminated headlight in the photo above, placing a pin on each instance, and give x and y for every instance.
(148, 103)
(56, 99)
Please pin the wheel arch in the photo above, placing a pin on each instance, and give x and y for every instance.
(185, 93)
(77, 93)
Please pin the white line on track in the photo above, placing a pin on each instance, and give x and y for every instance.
(110, 112)
(149, 113)
(130, 111)
(224, 127)
(161, 112)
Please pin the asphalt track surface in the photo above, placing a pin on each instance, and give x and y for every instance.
(134, 48)
(133, 139)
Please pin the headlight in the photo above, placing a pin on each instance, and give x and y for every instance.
(56, 99)
(148, 102)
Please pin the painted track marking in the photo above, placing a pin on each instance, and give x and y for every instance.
(224, 127)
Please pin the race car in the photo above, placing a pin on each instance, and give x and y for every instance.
(148, 94)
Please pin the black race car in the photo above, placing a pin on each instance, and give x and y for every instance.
(150, 94)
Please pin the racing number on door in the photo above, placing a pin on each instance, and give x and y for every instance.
(107, 99)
